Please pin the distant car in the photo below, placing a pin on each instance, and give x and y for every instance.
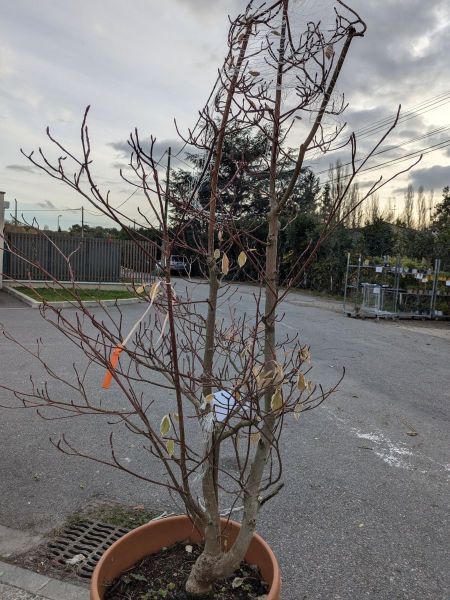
(178, 265)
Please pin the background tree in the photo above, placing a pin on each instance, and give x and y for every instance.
(421, 209)
(441, 228)
(408, 211)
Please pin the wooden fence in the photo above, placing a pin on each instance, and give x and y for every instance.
(35, 256)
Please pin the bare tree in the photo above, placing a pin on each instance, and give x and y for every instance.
(233, 376)
(408, 212)
(353, 208)
(373, 212)
(421, 209)
(337, 177)
(430, 207)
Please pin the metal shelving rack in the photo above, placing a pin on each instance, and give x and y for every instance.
(375, 291)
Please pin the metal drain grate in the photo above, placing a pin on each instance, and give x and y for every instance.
(89, 538)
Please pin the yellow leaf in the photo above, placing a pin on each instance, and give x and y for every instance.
(154, 290)
(209, 398)
(304, 354)
(255, 437)
(278, 375)
(170, 445)
(242, 259)
(277, 400)
(297, 410)
(225, 264)
(176, 416)
(165, 425)
(216, 253)
(301, 383)
(261, 376)
(140, 289)
(310, 386)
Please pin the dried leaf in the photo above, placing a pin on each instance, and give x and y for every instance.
(165, 425)
(261, 376)
(279, 375)
(216, 253)
(309, 386)
(304, 354)
(170, 445)
(140, 289)
(254, 73)
(237, 582)
(209, 398)
(176, 416)
(297, 410)
(255, 437)
(153, 292)
(75, 560)
(242, 259)
(225, 264)
(329, 51)
(277, 400)
(301, 383)
(220, 235)
(275, 32)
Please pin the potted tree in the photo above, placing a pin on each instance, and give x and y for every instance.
(230, 381)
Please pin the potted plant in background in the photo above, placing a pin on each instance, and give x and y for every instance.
(226, 380)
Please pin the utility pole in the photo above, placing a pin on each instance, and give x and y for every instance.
(15, 211)
(82, 221)
(166, 206)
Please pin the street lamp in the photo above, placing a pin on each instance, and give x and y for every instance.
(59, 227)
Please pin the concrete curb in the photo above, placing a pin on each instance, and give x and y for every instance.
(43, 586)
(67, 303)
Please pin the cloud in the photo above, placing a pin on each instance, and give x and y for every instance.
(47, 204)
(434, 178)
(120, 165)
(202, 8)
(178, 149)
(22, 168)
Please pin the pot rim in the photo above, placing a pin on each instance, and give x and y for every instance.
(175, 522)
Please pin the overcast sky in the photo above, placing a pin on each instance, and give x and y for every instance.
(143, 62)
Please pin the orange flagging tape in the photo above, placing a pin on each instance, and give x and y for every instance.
(114, 361)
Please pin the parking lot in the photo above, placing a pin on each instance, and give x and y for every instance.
(364, 512)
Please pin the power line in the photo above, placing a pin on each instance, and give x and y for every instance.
(394, 161)
(414, 110)
(390, 148)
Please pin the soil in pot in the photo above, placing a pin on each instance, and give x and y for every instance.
(163, 576)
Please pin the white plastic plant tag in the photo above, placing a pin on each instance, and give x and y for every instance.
(223, 403)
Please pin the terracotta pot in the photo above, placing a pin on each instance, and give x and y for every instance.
(153, 536)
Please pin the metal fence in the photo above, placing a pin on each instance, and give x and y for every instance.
(36, 256)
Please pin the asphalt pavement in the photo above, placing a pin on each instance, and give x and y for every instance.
(364, 512)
